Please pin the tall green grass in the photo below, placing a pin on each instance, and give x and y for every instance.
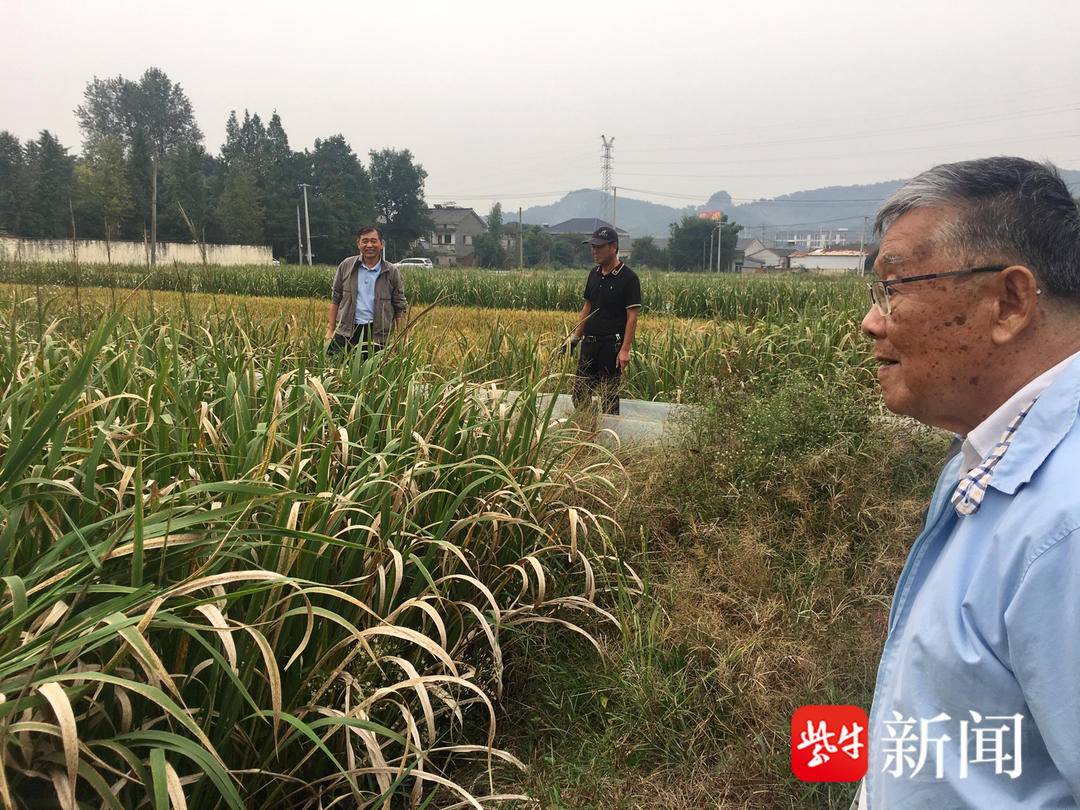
(668, 366)
(234, 575)
(666, 363)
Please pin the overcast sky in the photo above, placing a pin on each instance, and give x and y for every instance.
(508, 100)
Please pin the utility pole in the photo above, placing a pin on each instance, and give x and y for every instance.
(299, 241)
(153, 211)
(719, 229)
(307, 223)
(605, 169)
(614, 206)
(862, 247)
(710, 265)
(521, 239)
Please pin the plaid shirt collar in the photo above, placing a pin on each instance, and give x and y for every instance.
(1019, 454)
(980, 441)
(969, 493)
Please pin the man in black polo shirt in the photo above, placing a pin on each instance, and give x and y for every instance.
(607, 324)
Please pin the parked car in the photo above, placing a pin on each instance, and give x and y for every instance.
(424, 263)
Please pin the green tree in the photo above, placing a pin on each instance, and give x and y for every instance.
(12, 183)
(245, 143)
(214, 174)
(278, 171)
(154, 107)
(102, 185)
(139, 166)
(567, 251)
(240, 207)
(342, 199)
(398, 185)
(49, 179)
(688, 247)
(646, 253)
(488, 246)
(281, 195)
(537, 246)
(185, 185)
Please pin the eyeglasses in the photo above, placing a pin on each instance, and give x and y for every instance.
(879, 290)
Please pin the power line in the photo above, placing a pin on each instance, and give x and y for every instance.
(681, 196)
(815, 200)
(802, 224)
(868, 133)
(516, 195)
(907, 112)
(1071, 133)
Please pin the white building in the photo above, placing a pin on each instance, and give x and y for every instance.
(828, 260)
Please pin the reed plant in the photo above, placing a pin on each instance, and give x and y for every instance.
(236, 574)
(671, 355)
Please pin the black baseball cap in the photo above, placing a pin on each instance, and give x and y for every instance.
(604, 235)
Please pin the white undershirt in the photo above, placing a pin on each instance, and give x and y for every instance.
(982, 438)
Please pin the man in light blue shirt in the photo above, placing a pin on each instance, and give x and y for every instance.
(365, 289)
(367, 298)
(975, 319)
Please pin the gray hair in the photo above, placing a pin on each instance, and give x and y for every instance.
(1008, 209)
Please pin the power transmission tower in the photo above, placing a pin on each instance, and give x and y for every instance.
(605, 171)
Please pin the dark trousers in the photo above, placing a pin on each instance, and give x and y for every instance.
(361, 337)
(598, 372)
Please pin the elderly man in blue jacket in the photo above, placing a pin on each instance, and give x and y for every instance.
(975, 321)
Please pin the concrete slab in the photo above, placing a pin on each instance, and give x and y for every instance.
(638, 420)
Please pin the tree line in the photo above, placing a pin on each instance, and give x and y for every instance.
(687, 247)
(144, 171)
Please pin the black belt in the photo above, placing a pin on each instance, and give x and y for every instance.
(602, 338)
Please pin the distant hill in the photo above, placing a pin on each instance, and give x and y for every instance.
(640, 217)
(833, 207)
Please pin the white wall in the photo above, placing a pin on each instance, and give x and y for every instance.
(828, 264)
(92, 251)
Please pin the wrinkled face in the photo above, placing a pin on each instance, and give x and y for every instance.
(602, 254)
(934, 349)
(370, 246)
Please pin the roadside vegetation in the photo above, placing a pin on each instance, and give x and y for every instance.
(768, 540)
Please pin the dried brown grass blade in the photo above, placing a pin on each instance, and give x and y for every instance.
(69, 733)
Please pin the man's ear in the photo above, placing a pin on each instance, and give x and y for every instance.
(1017, 292)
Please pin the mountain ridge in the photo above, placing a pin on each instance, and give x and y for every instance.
(834, 207)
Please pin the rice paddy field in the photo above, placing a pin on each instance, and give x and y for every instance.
(686, 295)
(238, 574)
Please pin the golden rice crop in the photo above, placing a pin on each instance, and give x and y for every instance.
(689, 295)
(671, 354)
